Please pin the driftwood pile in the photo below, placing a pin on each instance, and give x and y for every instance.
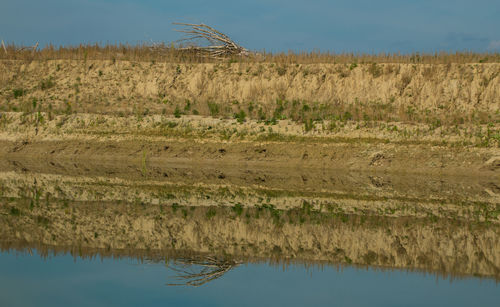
(220, 45)
(34, 47)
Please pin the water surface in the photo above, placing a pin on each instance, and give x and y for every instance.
(63, 280)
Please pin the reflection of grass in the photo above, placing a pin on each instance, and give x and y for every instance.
(269, 237)
(310, 203)
(42, 220)
(15, 211)
(306, 214)
(90, 217)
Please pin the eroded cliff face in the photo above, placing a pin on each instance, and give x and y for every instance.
(122, 86)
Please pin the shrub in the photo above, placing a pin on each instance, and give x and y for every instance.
(347, 116)
(404, 82)
(308, 125)
(187, 107)
(177, 112)
(375, 70)
(281, 70)
(18, 92)
(47, 83)
(240, 116)
(211, 213)
(214, 108)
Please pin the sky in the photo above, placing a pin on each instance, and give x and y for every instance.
(360, 26)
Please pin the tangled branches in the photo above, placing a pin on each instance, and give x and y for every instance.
(209, 268)
(33, 48)
(221, 46)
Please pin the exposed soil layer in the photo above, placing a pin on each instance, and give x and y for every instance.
(156, 139)
(405, 159)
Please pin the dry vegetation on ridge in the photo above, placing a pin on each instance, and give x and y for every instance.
(171, 54)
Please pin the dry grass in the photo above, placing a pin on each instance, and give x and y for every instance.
(434, 89)
(165, 53)
(435, 94)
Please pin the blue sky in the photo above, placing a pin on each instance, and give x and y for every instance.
(365, 26)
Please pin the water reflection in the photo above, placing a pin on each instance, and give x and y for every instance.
(209, 220)
(62, 280)
(197, 271)
(87, 229)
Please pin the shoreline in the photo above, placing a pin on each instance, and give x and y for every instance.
(370, 147)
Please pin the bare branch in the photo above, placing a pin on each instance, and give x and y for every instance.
(18, 49)
(221, 45)
(4, 48)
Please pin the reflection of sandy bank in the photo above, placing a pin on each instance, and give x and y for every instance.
(440, 224)
(430, 244)
(370, 193)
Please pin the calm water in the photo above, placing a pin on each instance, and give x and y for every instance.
(62, 280)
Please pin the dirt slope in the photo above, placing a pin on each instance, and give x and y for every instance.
(413, 90)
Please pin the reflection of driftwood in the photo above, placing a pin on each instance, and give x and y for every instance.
(198, 271)
(221, 45)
